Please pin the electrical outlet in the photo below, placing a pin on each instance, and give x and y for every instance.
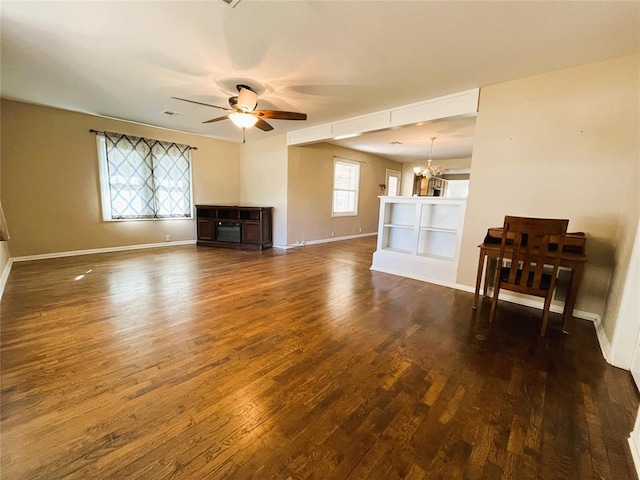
(167, 238)
(360, 230)
(333, 234)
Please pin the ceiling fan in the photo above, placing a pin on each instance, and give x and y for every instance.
(243, 111)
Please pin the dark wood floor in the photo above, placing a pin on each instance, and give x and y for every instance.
(194, 363)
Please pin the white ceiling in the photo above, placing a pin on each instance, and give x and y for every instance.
(330, 59)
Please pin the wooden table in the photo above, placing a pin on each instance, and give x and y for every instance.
(573, 257)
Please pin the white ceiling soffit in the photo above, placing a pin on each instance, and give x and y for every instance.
(462, 103)
(331, 60)
(404, 133)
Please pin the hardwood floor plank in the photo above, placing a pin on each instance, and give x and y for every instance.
(481, 447)
(186, 362)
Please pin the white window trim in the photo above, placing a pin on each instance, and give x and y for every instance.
(353, 213)
(105, 194)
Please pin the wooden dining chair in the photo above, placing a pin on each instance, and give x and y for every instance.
(528, 244)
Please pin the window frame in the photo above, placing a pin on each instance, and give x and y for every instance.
(352, 164)
(105, 190)
(465, 182)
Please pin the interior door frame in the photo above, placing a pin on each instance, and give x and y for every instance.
(388, 173)
(625, 346)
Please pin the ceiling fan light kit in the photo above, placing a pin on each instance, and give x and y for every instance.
(243, 120)
(247, 100)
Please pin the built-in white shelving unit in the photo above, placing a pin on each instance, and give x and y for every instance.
(419, 237)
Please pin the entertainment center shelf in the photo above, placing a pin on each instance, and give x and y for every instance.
(247, 228)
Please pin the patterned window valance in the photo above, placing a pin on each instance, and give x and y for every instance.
(147, 178)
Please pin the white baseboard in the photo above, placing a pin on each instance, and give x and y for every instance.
(556, 307)
(73, 253)
(634, 446)
(5, 276)
(603, 340)
(422, 278)
(329, 240)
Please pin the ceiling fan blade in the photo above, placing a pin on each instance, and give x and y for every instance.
(217, 119)
(280, 115)
(204, 104)
(264, 126)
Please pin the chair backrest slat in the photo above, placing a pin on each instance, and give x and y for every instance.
(526, 243)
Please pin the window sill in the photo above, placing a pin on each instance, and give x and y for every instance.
(110, 220)
(344, 214)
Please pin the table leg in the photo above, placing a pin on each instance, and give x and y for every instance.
(570, 302)
(479, 277)
(488, 275)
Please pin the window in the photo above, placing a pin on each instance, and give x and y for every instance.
(346, 177)
(142, 178)
(457, 189)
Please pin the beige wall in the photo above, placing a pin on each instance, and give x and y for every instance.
(264, 180)
(50, 185)
(563, 145)
(311, 190)
(5, 255)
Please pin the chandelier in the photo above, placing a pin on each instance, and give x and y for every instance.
(428, 172)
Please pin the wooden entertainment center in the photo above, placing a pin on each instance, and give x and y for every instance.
(246, 228)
